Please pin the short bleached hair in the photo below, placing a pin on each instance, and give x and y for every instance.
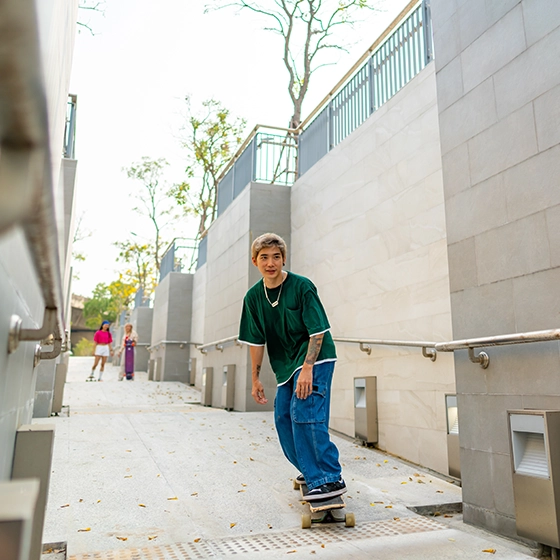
(268, 240)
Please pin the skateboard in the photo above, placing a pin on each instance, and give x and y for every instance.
(324, 511)
(91, 378)
(129, 359)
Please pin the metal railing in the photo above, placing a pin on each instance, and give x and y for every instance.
(25, 150)
(387, 66)
(267, 157)
(398, 55)
(69, 147)
(163, 343)
(177, 257)
(219, 344)
(429, 349)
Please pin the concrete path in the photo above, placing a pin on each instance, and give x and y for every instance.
(142, 471)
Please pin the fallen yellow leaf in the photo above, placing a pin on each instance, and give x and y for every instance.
(231, 525)
(490, 550)
(128, 476)
(196, 540)
(84, 530)
(388, 507)
(386, 461)
(98, 501)
(194, 494)
(174, 498)
(141, 505)
(396, 518)
(65, 505)
(122, 538)
(152, 538)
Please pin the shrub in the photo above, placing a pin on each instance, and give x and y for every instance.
(83, 348)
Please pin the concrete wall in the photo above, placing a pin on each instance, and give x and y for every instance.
(498, 82)
(142, 319)
(19, 287)
(229, 273)
(368, 227)
(198, 311)
(172, 316)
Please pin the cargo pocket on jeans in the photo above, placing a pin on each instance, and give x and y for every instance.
(311, 410)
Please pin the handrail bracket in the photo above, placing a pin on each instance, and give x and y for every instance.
(365, 348)
(482, 359)
(429, 353)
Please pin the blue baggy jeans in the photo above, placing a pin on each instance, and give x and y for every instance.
(303, 427)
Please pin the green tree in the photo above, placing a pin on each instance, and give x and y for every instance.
(107, 302)
(307, 29)
(210, 138)
(142, 273)
(154, 201)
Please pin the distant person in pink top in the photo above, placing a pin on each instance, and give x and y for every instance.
(103, 340)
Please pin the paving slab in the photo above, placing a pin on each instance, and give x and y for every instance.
(142, 470)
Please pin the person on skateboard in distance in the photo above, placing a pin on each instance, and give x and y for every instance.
(284, 312)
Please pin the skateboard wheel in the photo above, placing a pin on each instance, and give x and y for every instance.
(296, 485)
(349, 520)
(305, 521)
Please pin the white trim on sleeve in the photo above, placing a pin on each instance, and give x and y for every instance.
(318, 333)
(249, 343)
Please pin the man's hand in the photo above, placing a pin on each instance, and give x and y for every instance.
(304, 386)
(258, 392)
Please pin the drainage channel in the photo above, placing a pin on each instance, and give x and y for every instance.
(259, 544)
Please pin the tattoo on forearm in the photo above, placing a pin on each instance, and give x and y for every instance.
(315, 343)
(258, 370)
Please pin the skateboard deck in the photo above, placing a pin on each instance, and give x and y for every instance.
(325, 511)
(129, 360)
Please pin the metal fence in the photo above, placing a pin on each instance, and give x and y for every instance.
(267, 158)
(180, 255)
(69, 148)
(400, 57)
(280, 157)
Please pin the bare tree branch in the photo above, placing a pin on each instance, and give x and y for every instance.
(305, 26)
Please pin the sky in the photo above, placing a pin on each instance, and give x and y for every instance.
(131, 78)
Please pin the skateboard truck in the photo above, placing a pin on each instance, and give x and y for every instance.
(328, 510)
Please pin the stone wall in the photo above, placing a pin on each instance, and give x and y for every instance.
(368, 227)
(498, 82)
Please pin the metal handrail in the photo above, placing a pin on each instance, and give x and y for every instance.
(247, 141)
(359, 62)
(26, 159)
(219, 344)
(430, 349)
(500, 340)
(181, 343)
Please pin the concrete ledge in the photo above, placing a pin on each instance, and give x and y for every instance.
(18, 500)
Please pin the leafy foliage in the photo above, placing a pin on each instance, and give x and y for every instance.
(107, 302)
(154, 202)
(83, 348)
(210, 139)
(142, 273)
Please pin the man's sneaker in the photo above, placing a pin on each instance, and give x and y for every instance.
(325, 491)
(300, 480)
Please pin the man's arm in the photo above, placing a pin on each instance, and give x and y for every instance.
(257, 355)
(304, 386)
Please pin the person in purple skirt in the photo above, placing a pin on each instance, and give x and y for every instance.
(129, 340)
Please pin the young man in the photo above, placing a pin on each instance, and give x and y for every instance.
(283, 311)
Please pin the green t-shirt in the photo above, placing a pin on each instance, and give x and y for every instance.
(286, 328)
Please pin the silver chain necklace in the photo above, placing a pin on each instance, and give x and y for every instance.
(273, 303)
